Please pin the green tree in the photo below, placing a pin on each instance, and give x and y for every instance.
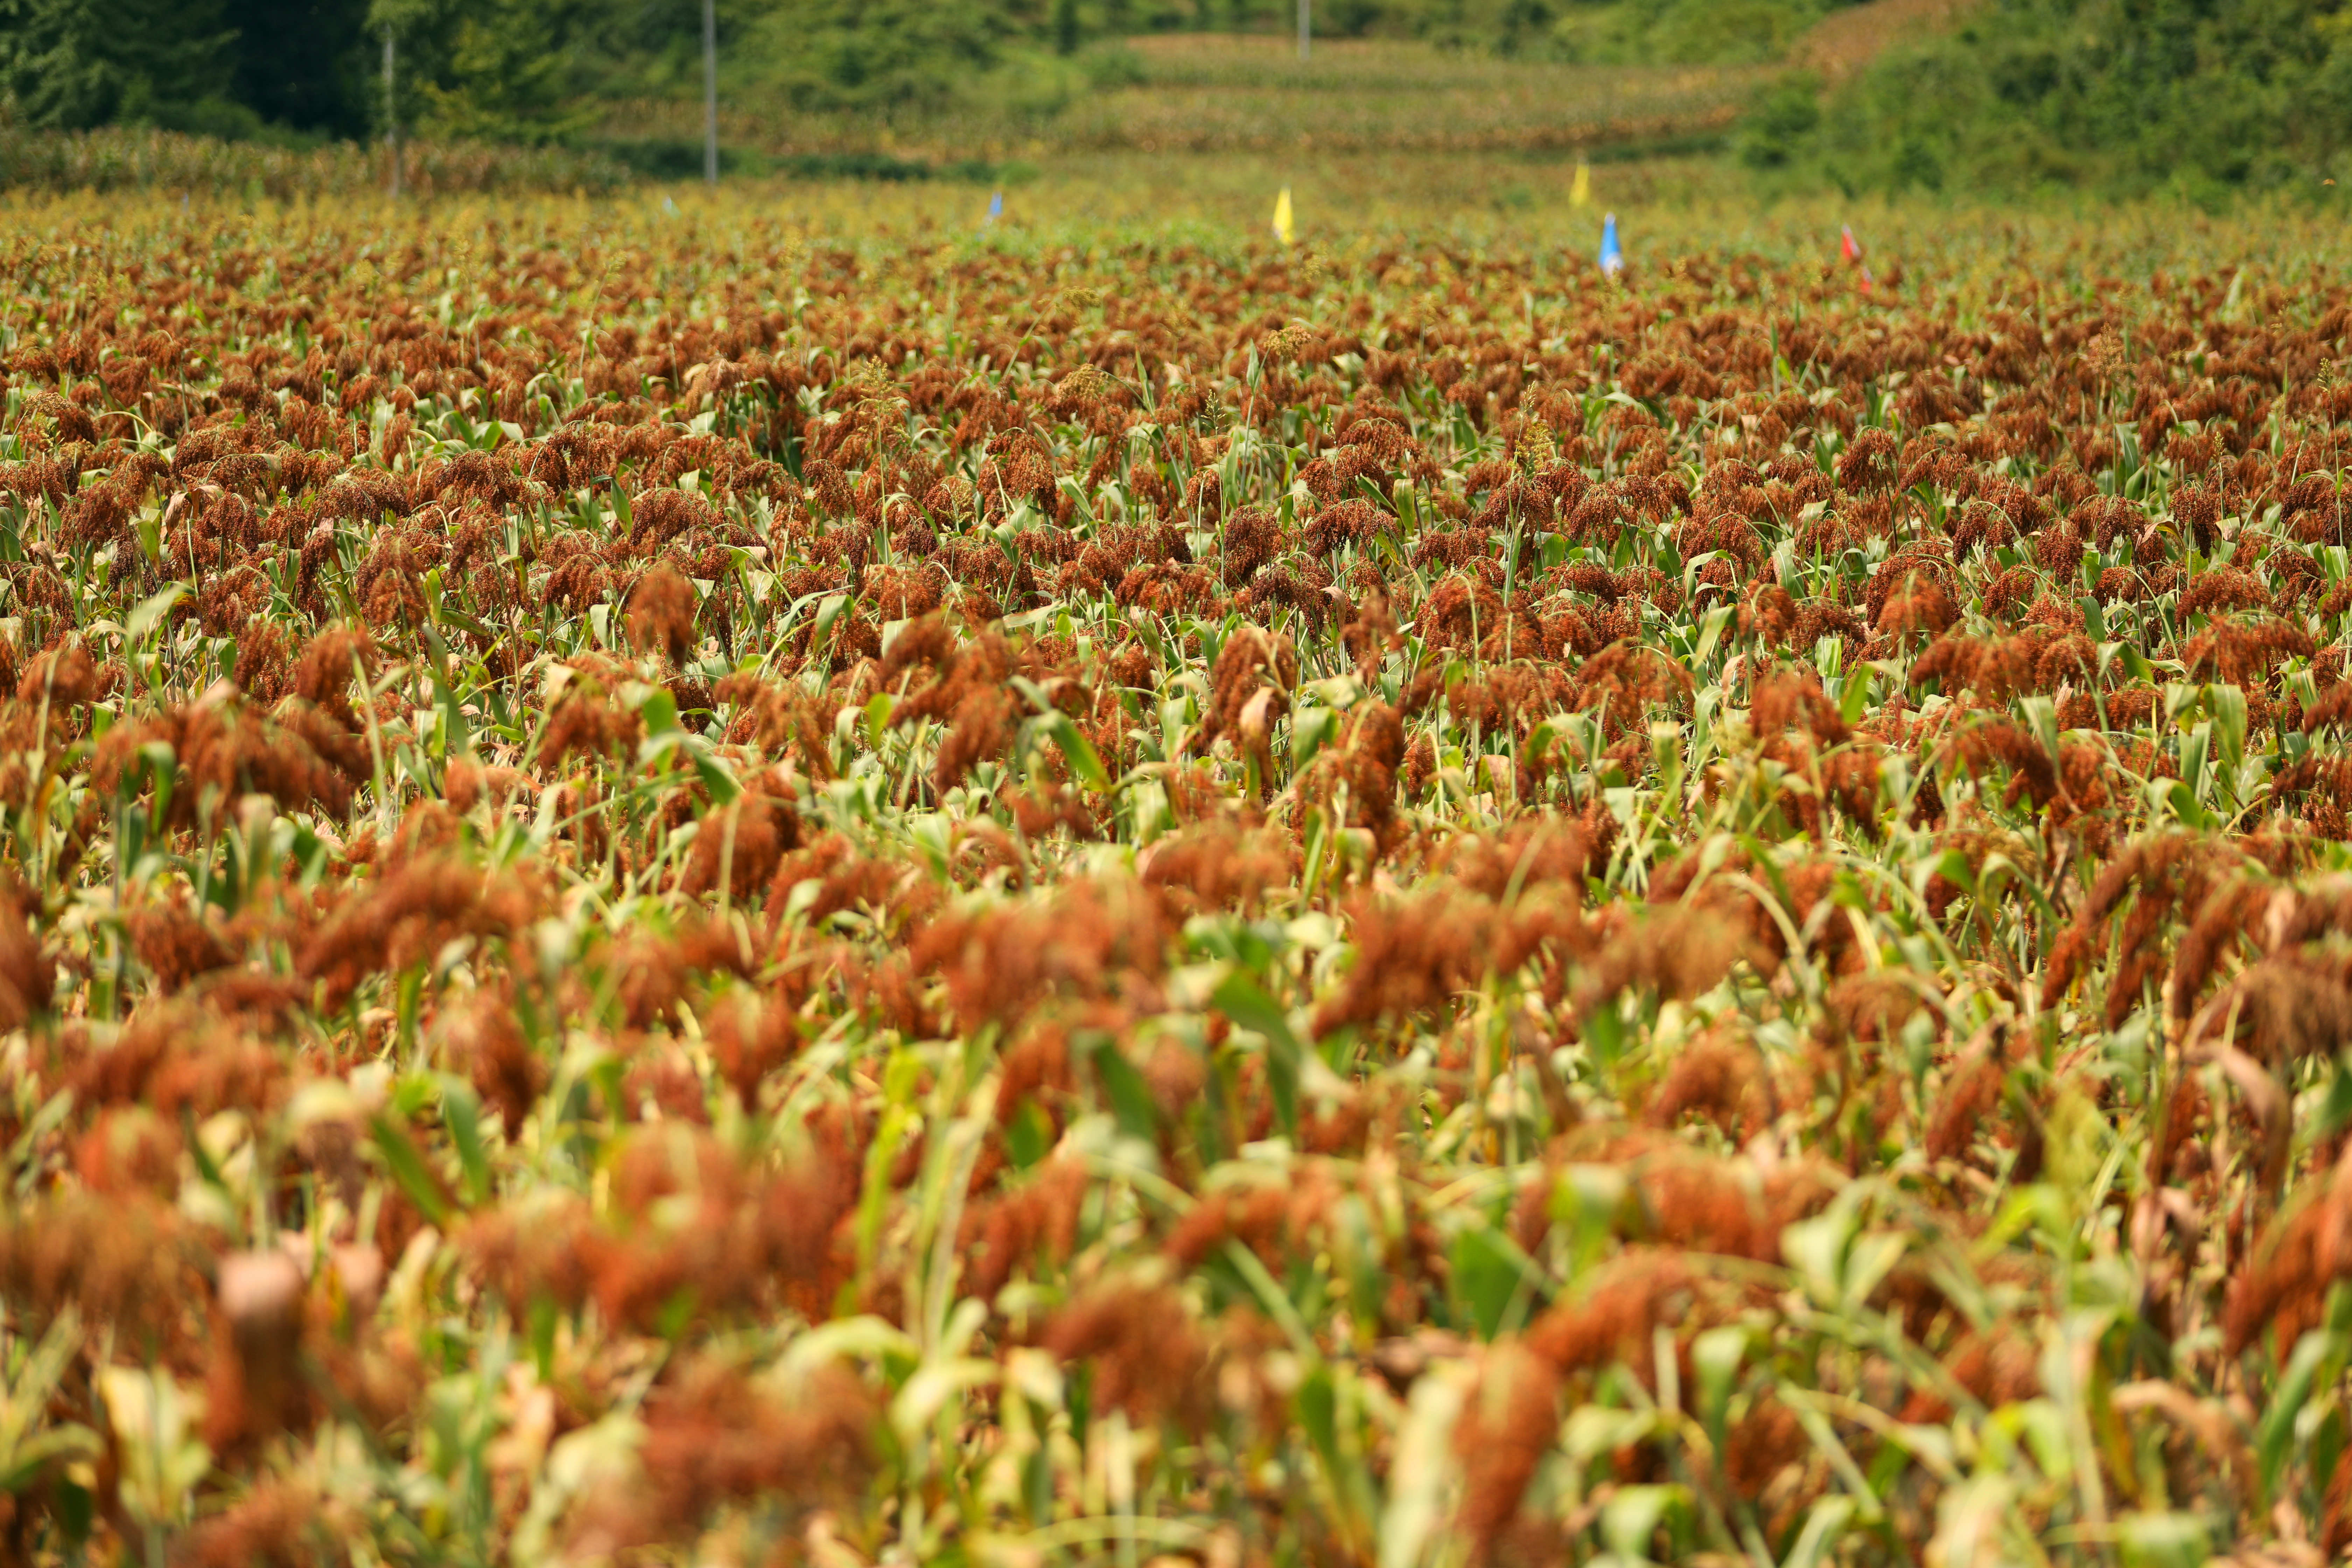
(894, 54)
(79, 63)
(2197, 96)
(307, 64)
(495, 70)
(1784, 116)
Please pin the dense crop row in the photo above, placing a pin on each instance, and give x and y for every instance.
(670, 893)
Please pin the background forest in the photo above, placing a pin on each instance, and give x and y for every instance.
(2200, 97)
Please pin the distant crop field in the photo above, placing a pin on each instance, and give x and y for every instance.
(1169, 94)
(1211, 93)
(780, 882)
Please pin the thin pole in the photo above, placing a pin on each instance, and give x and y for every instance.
(390, 112)
(1304, 28)
(711, 91)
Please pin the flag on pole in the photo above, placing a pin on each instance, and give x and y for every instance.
(995, 210)
(1580, 190)
(1281, 215)
(1612, 255)
(1850, 248)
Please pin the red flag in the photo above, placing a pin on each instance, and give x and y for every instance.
(1847, 246)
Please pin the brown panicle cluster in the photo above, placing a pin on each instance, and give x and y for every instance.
(1250, 690)
(714, 1436)
(1506, 906)
(690, 1230)
(2300, 1255)
(1148, 1359)
(1356, 781)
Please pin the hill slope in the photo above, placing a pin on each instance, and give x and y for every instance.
(2197, 96)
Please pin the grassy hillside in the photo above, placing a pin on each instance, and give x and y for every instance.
(1199, 94)
(1226, 93)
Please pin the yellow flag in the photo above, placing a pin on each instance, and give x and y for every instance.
(1581, 190)
(1281, 215)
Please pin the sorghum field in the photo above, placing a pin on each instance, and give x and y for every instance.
(683, 888)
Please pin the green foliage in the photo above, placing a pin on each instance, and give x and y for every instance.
(1579, 32)
(261, 70)
(306, 64)
(492, 70)
(873, 54)
(2199, 97)
(533, 72)
(72, 64)
(1679, 32)
(1786, 114)
(114, 159)
(677, 158)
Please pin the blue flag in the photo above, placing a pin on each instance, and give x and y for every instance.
(1612, 255)
(995, 209)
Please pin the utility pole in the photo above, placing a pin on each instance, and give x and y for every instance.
(1305, 29)
(392, 109)
(711, 92)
